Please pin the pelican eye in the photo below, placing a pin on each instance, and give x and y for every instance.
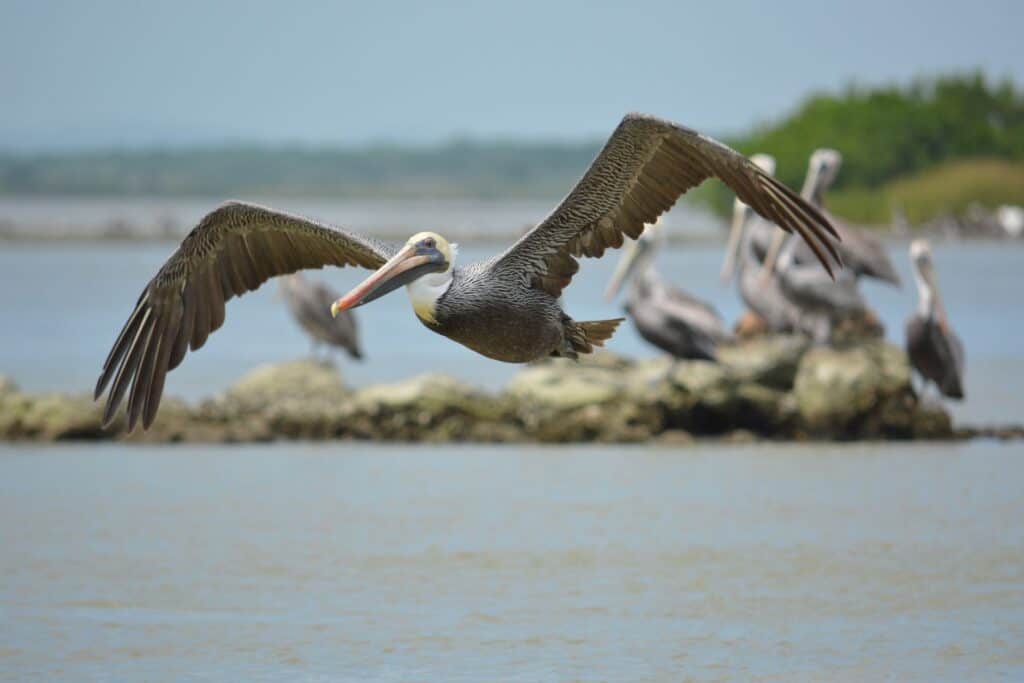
(429, 243)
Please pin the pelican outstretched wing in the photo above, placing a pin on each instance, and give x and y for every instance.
(645, 166)
(233, 250)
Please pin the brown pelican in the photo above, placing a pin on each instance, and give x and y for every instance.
(310, 305)
(505, 308)
(666, 317)
(862, 253)
(934, 349)
(821, 300)
(762, 295)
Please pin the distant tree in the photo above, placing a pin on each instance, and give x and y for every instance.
(887, 132)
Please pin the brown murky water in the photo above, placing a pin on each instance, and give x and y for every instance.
(380, 563)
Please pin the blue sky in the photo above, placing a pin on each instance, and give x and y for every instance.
(111, 73)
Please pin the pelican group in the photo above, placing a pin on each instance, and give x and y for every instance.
(505, 308)
(820, 300)
(862, 254)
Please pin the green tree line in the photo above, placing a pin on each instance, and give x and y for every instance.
(888, 132)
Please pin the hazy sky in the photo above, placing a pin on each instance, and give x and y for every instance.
(127, 73)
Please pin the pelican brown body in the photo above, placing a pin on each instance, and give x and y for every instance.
(505, 308)
(501, 319)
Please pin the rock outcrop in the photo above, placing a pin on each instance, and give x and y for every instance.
(775, 387)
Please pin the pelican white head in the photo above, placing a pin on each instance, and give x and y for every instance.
(424, 265)
(426, 290)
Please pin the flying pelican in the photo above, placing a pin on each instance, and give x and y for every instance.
(762, 295)
(505, 308)
(934, 348)
(862, 253)
(665, 316)
(310, 305)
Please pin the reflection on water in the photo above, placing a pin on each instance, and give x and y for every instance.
(65, 303)
(355, 562)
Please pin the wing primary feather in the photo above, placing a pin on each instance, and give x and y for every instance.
(809, 237)
(813, 237)
(216, 300)
(118, 350)
(127, 369)
(776, 212)
(144, 375)
(814, 216)
(159, 371)
(203, 317)
(184, 334)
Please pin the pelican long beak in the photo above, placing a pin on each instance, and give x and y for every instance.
(401, 269)
(732, 249)
(770, 258)
(623, 270)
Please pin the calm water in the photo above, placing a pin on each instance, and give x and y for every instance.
(357, 563)
(63, 305)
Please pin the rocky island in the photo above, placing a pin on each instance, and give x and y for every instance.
(771, 387)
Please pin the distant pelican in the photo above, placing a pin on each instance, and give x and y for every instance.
(934, 348)
(862, 253)
(310, 305)
(820, 300)
(762, 295)
(665, 316)
(505, 308)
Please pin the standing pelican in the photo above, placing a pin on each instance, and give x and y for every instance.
(762, 295)
(934, 348)
(310, 305)
(862, 253)
(820, 299)
(665, 316)
(505, 308)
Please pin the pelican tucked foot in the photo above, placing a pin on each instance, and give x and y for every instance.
(583, 337)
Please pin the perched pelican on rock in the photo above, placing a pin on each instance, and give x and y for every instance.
(820, 300)
(505, 308)
(934, 348)
(665, 316)
(762, 295)
(310, 304)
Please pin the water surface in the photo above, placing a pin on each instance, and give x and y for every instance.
(390, 563)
